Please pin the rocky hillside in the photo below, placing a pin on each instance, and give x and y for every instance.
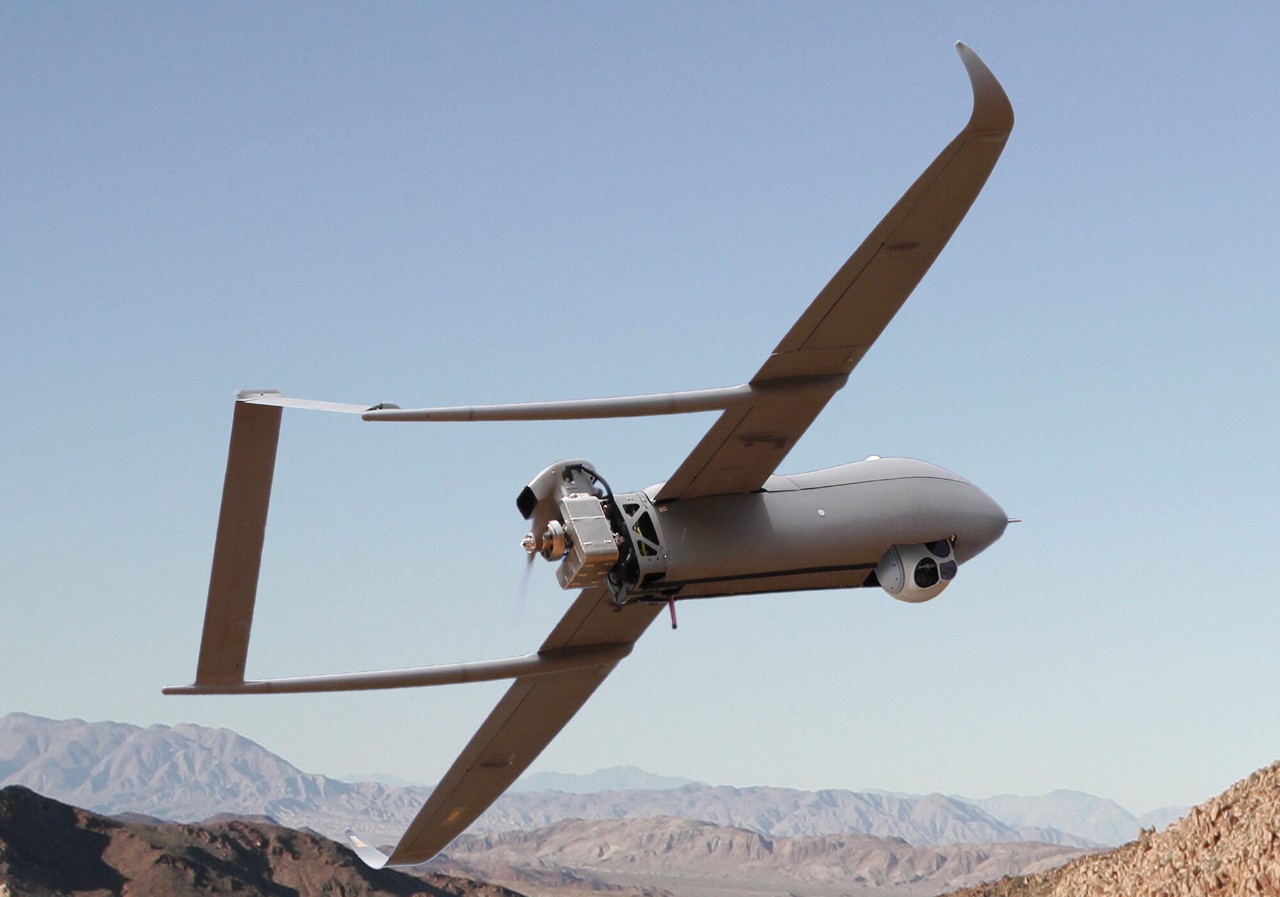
(188, 772)
(1226, 847)
(697, 858)
(48, 849)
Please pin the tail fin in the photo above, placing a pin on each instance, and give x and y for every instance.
(237, 553)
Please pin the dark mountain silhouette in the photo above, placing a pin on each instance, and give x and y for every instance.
(48, 848)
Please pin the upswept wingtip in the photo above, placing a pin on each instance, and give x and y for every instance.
(992, 111)
(369, 855)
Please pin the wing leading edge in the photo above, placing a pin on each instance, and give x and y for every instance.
(748, 441)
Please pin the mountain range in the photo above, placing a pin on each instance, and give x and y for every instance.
(1228, 845)
(687, 857)
(50, 849)
(188, 773)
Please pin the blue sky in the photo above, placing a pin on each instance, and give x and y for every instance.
(435, 203)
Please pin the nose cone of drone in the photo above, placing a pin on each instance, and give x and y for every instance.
(986, 522)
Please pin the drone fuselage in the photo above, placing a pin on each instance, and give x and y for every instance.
(827, 529)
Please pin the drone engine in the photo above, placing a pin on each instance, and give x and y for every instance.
(568, 513)
(916, 573)
(596, 536)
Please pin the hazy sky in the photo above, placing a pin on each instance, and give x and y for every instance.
(440, 203)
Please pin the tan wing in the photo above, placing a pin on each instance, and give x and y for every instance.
(530, 714)
(749, 440)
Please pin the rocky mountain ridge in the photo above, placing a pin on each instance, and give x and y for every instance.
(188, 772)
(49, 849)
(1228, 846)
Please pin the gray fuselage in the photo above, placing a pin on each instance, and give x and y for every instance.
(821, 530)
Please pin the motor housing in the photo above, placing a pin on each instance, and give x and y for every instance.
(592, 550)
(567, 506)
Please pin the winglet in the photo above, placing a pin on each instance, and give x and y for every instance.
(992, 110)
(372, 856)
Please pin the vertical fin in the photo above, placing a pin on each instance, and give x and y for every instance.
(237, 553)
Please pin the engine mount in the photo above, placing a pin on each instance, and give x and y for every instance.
(576, 519)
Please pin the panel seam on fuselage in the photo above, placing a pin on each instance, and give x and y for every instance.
(800, 571)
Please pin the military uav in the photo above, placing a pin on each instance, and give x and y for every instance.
(902, 525)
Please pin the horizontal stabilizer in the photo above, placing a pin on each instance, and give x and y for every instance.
(687, 402)
(556, 660)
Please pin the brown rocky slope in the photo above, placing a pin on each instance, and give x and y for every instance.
(1226, 847)
(49, 849)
